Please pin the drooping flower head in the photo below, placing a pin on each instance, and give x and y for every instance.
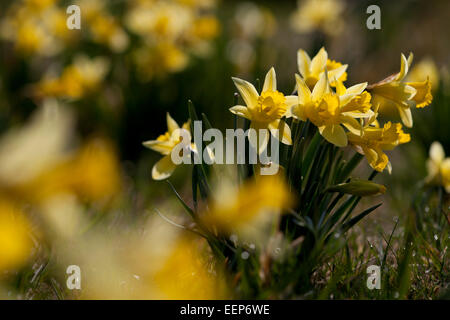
(394, 91)
(371, 141)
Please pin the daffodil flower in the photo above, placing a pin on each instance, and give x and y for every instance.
(312, 70)
(395, 91)
(438, 166)
(372, 141)
(164, 144)
(331, 111)
(264, 111)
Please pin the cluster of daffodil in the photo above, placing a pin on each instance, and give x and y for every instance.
(40, 27)
(37, 167)
(343, 116)
(170, 31)
(167, 34)
(82, 77)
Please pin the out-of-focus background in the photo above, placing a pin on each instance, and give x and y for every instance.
(133, 61)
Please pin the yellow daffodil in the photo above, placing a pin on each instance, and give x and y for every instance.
(264, 111)
(312, 70)
(438, 166)
(331, 111)
(15, 241)
(164, 144)
(242, 210)
(394, 91)
(371, 141)
(323, 15)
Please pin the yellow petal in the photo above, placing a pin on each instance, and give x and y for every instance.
(352, 125)
(403, 68)
(377, 159)
(337, 73)
(334, 134)
(163, 147)
(279, 126)
(321, 88)
(270, 82)
(437, 153)
(260, 140)
(423, 96)
(163, 168)
(241, 111)
(187, 125)
(406, 116)
(319, 62)
(291, 101)
(304, 94)
(357, 88)
(247, 91)
(303, 62)
(172, 125)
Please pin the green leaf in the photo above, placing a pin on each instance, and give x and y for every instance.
(349, 224)
(185, 206)
(350, 166)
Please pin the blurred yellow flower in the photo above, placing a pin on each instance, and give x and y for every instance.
(171, 31)
(15, 241)
(160, 59)
(244, 209)
(40, 144)
(330, 111)
(254, 21)
(95, 170)
(164, 144)
(312, 70)
(82, 77)
(438, 167)
(321, 15)
(103, 27)
(394, 91)
(92, 173)
(184, 274)
(264, 111)
(36, 27)
(372, 141)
